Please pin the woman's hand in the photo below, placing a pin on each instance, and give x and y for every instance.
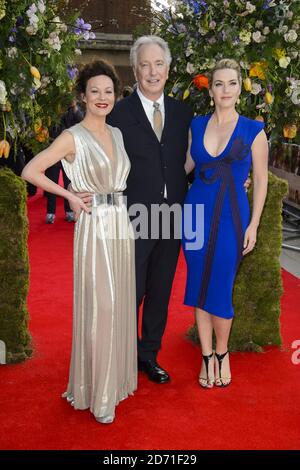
(78, 205)
(249, 239)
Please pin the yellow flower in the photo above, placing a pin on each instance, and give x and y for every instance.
(6, 107)
(247, 84)
(37, 125)
(186, 94)
(258, 70)
(278, 53)
(35, 73)
(43, 135)
(4, 148)
(290, 131)
(269, 98)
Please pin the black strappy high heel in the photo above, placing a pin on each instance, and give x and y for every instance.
(221, 379)
(207, 382)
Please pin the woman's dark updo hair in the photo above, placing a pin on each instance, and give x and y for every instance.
(99, 67)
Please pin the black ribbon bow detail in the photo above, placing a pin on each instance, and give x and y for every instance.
(222, 170)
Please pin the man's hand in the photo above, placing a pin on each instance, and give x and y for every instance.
(247, 184)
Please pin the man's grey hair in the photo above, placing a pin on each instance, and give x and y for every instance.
(146, 40)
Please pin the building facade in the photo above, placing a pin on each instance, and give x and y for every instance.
(113, 22)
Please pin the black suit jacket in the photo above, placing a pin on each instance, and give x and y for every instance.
(154, 163)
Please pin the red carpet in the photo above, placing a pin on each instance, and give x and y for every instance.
(260, 410)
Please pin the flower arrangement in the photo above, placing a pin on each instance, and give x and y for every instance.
(263, 36)
(39, 46)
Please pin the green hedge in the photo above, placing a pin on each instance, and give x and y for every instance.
(258, 286)
(14, 267)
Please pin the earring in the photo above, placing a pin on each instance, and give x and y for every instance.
(211, 102)
(238, 101)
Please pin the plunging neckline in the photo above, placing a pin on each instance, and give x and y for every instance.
(229, 141)
(99, 144)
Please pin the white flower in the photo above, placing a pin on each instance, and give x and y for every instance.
(283, 29)
(266, 30)
(14, 89)
(77, 52)
(255, 88)
(54, 41)
(31, 10)
(37, 83)
(288, 91)
(190, 68)
(12, 52)
(212, 25)
(259, 24)
(189, 51)
(289, 15)
(41, 6)
(251, 8)
(212, 40)
(284, 62)
(42, 51)
(31, 30)
(202, 31)
(33, 20)
(45, 81)
(22, 76)
(257, 36)
(291, 36)
(294, 54)
(59, 25)
(296, 92)
(3, 92)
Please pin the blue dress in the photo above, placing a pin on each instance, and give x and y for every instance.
(215, 216)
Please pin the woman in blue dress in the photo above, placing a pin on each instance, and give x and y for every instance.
(223, 147)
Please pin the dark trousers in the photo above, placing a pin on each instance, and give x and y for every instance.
(155, 262)
(53, 174)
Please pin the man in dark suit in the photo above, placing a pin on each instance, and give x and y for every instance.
(155, 132)
(156, 139)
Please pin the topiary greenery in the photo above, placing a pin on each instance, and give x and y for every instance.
(258, 285)
(14, 267)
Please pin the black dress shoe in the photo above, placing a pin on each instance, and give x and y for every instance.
(154, 371)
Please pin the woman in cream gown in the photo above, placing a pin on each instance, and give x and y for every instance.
(103, 369)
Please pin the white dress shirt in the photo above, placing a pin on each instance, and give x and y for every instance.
(148, 108)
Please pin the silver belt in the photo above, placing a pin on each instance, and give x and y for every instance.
(111, 199)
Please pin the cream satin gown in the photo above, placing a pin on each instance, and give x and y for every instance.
(103, 367)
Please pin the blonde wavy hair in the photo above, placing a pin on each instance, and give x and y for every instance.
(225, 64)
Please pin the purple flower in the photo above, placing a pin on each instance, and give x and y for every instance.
(196, 5)
(20, 21)
(87, 26)
(266, 5)
(79, 22)
(83, 29)
(71, 71)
